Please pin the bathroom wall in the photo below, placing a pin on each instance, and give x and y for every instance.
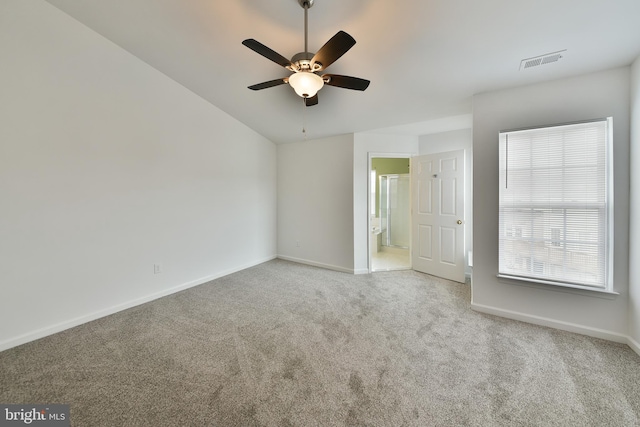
(384, 166)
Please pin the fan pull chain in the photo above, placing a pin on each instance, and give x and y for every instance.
(304, 118)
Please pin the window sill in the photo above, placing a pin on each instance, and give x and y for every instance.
(572, 289)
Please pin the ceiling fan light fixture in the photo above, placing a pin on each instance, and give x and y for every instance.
(305, 65)
(305, 83)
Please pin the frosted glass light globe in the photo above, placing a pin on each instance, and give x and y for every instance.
(305, 83)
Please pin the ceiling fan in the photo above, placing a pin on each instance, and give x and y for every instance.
(305, 65)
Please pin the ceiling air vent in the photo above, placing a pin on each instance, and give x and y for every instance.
(541, 60)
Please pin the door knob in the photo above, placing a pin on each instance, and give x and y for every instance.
(459, 221)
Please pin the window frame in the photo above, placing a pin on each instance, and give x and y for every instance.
(608, 206)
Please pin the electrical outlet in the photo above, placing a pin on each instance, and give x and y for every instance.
(297, 244)
(157, 269)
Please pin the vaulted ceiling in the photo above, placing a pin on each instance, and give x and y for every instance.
(425, 59)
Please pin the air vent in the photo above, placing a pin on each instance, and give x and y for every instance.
(541, 60)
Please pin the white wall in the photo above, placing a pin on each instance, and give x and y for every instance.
(450, 141)
(315, 201)
(107, 167)
(322, 198)
(634, 234)
(363, 145)
(585, 97)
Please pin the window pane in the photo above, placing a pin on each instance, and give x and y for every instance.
(554, 203)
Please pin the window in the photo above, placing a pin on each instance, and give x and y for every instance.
(555, 205)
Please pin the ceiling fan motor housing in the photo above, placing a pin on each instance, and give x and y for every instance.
(302, 62)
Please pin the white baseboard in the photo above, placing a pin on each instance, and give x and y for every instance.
(317, 264)
(635, 346)
(551, 323)
(59, 327)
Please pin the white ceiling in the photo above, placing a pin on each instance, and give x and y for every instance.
(425, 59)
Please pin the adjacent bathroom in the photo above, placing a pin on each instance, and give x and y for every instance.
(390, 214)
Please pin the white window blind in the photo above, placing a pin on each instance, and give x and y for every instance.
(554, 204)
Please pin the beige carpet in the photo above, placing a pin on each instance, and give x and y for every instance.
(283, 344)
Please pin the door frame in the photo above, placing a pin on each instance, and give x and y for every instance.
(371, 155)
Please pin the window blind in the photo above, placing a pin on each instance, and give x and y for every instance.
(554, 204)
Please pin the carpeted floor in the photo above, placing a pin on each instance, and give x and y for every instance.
(284, 344)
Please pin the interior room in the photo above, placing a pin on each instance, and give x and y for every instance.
(187, 240)
(390, 201)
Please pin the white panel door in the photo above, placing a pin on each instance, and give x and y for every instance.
(437, 182)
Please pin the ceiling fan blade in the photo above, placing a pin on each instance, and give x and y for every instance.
(270, 83)
(346, 82)
(268, 53)
(337, 46)
(311, 101)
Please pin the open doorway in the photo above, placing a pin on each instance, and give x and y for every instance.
(390, 215)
